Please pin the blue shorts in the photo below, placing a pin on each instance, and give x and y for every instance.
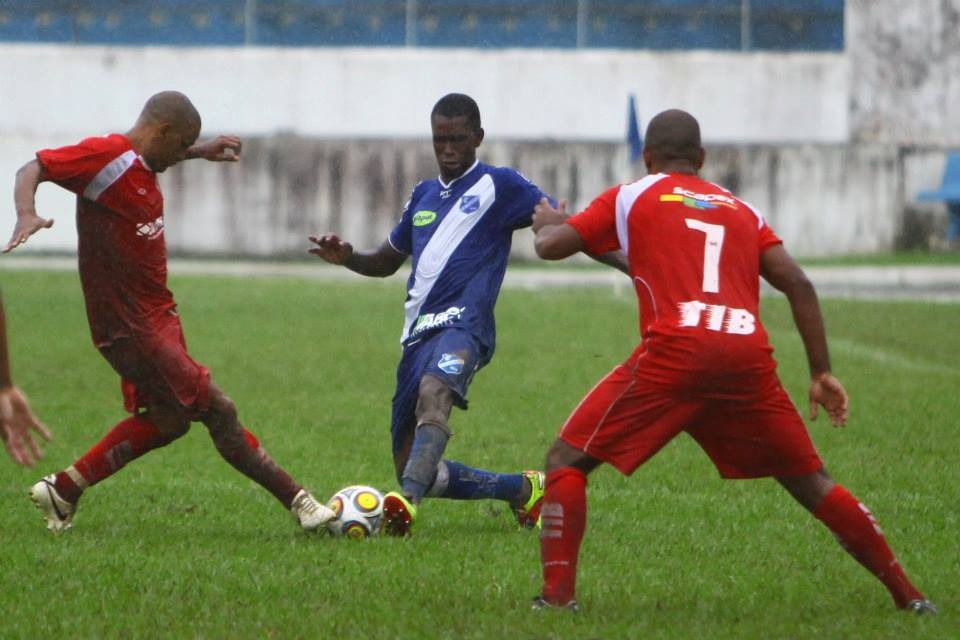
(451, 355)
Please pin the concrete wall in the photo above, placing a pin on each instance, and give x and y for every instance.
(904, 57)
(822, 199)
(832, 147)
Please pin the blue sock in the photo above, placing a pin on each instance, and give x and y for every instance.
(421, 470)
(460, 482)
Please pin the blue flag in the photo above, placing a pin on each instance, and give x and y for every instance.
(634, 140)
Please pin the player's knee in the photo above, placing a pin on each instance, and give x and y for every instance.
(562, 455)
(222, 412)
(434, 402)
(170, 423)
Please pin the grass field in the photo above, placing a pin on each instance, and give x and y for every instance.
(178, 545)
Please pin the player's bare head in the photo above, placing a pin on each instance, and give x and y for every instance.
(454, 105)
(171, 107)
(672, 142)
(455, 123)
(168, 125)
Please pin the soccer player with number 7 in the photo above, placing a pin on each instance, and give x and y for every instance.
(704, 366)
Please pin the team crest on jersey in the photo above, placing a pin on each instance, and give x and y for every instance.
(150, 230)
(469, 204)
(451, 363)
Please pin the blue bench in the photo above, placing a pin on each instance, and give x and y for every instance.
(949, 190)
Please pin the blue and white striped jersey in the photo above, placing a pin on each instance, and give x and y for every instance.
(459, 237)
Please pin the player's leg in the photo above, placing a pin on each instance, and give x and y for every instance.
(623, 421)
(454, 358)
(242, 450)
(564, 521)
(163, 422)
(858, 533)
(763, 435)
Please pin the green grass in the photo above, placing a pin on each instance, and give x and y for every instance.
(180, 546)
(892, 259)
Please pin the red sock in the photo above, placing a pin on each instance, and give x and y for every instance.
(563, 522)
(128, 440)
(858, 533)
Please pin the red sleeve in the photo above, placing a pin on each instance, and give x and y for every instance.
(597, 224)
(767, 237)
(73, 167)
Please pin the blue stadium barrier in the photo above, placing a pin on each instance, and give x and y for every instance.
(813, 25)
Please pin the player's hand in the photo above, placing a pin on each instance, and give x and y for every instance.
(331, 248)
(16, 422)
(219, 149)
(826, 391)
(27, 225)
(544, 214)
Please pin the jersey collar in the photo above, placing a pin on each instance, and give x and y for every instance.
(463, 175)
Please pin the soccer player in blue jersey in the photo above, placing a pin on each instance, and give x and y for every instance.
(457, 229)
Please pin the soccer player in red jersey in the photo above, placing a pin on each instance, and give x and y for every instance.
(16, 418)
(132, 315)
(704, 365)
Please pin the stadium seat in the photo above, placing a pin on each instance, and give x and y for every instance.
(949, 190)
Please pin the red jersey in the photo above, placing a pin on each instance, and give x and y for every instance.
(122, 252)
(694, 254)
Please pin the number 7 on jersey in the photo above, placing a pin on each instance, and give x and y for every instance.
(713, 244)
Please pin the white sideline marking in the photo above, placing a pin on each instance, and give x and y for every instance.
(893, 359)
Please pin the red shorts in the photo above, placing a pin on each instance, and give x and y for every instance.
(156, 369)
(633, 412)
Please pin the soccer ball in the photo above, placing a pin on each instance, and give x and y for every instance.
(358, 510)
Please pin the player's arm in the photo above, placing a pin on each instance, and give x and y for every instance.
(554, 240)
(378, 263)
(545, 215)
(219, 149)
(16, 418)
(28, 178)
(778, 268)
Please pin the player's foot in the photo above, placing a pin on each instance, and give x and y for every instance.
(539, 604)
(398, 515)
(528, 514)
(309, 513)
(58, 512)
(922, 607)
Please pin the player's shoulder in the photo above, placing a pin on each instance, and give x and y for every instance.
(109, 142)
(507, 176)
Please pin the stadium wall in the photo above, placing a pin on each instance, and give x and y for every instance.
(336, 137)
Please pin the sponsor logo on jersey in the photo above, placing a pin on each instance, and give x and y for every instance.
(433, 320)
(150, 230)
(698, 200)
(451, 363)
(469, 204)
(444, 194)
(423, 218)
(717, 317)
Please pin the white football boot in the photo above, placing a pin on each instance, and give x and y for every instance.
(309, 513)
(58, 512)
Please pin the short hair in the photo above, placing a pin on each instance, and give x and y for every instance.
(172, 107)
(673, 135)
(454, 105)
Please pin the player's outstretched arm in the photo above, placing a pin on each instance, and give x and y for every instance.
(29, 177)
(378, 263)
(554, 240)
(219, 149)
(778, 268)
(16, 418)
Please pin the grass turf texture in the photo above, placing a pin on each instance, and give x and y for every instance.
(180, 545)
